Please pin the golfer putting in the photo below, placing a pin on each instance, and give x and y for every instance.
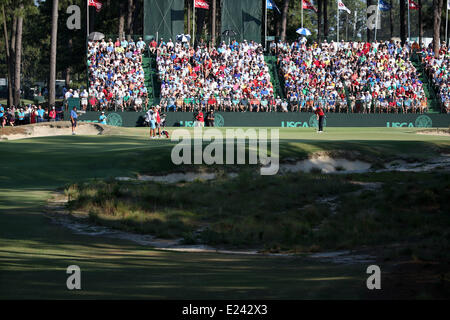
(151, 116)
(320, 115)
(73, 120)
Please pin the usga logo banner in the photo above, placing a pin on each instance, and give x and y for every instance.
(421, 122)
(312, 123)
(219, 121)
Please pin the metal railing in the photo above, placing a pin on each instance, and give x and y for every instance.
(271, 104)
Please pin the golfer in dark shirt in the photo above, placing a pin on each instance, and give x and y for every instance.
(320, 115)
(210, 118)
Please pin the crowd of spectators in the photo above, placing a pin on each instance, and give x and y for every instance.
(116, 75)
(311, 76)
(338, 77)
(438, 72)
(379, 77)
(29, 114)
(231, 77)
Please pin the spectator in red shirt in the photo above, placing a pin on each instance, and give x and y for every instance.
(158, 120)
(200, 119)
(152, 46)
(93, 103)
(52, 115)
(212, 102)
(320, 115)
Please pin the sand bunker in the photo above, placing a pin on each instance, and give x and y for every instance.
(435, 132)
(318, 163)
(340, 164)
(326, 164)
(47, 129)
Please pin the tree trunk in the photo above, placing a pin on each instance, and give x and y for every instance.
(121, 19)
(403, 9)
(325, 18)
(278, 28)
(346, 27)
(69, 69)
(18, 60)
(13, 34)
(420, 23)
(54, 41)
(369, 34)
(319, 19)
(437, 12)
(189, 9)
(131, 7)
(213, 22)
(13, 50)
(8, 58)
(284, 20)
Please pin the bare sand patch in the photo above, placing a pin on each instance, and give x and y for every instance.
(49, 129)
(326, 164)
(435, 132)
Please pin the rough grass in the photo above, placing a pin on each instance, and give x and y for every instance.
(279, 213)
(34, 253)
(247, 211)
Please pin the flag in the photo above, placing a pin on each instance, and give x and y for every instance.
(413, 5)
(201, 4)
(448, 5)
(342, 6)
(95, 3)
(270, 5)
(383, 6)
(308, 5)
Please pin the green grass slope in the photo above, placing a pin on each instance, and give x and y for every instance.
(34, 253)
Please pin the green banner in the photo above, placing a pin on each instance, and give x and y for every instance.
(73, 102)
(282, 120)
(244, 17)
(163, 18)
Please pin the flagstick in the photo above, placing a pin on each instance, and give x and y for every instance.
(376, 20)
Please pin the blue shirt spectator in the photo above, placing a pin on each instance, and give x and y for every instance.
(102, 118)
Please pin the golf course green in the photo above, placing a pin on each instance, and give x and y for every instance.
(34, 253)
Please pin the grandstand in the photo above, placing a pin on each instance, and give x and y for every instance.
(116, 75)
(383, 78)
(435, 72)
(396, 82)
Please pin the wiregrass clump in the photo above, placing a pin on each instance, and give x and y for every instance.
(276, 212)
